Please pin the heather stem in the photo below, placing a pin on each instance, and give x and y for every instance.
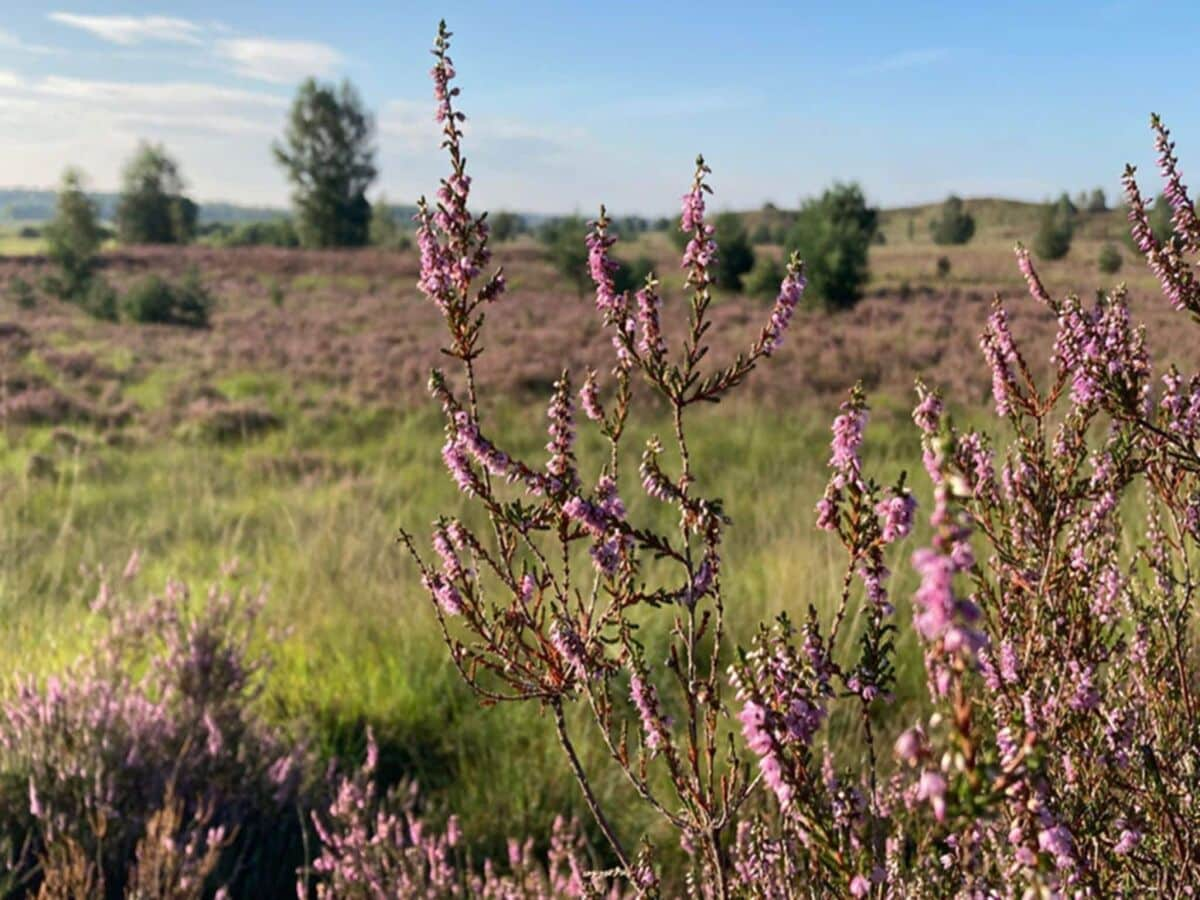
(560, 723)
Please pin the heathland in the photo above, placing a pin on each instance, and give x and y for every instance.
(287, 443)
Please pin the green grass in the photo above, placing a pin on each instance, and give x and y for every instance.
(311, 511)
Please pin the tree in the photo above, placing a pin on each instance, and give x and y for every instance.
(1097, 202)
(1055, 229)
(955, 225)
(152, 208)
(328, 152)
(833, 235)
(735, 256)
(72, 238)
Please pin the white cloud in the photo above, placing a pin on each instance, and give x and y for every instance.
(131, 30)
(279, 62)
(907, 59)
(10, 41)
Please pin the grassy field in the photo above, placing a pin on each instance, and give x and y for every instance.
(295, 438)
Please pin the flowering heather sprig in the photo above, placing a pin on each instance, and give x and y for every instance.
(589, 398)
(1001, 355)
(562, 435)
(570, 647)
(655, 725)
(651, 345)
(790, 292)
(602, 268)
(1174, 273)
(700, 254)
(1184, 220)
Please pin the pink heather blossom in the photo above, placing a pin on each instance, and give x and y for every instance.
(570, 648)
(860, 886)
(848, 429)
(932, 788)
(692, 218)
(645, 700)
(651, 344)
(589, 398)
(446, 594)
(790, 292)
(897, 515)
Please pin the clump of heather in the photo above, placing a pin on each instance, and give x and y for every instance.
(374, 845)
(157, 727)
(1057, 752)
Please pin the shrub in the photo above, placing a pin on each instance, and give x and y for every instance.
(29, 232)
(157, 728)
(153, 299)
(833, 235)
(631, 276)
(506, 225)
(1056, 753)
(737, 256)
(1097, 202)
(21, 292)
(1109, 260)
(100, 300)
(563, 240)
(763, 280)
(385, 231)
(1055, 229)
(761, 234)
(274, 233)
(955, 225)
(943, 266)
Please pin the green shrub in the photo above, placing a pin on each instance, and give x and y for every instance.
(833, 235)
(735, 256)
(21, 292)
(943, 266)
(764, 279)
(564, 240)
(761, 234)
(100, 300)
(632, 276)
(1055, 230)
(272, 233)
(1109, 259)
(155, 300)
(506, 225)
(152, 208)
(955, 225)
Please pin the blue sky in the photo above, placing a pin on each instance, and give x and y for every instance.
(573, 104)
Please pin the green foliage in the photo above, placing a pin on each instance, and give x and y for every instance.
(761, 234)
(1097, 202)
(564, 240)
(328, 153)
(100, 300)
(21, 292)
(1160, 219)
(385, 231)
(73, 238)
(1109, 259)
(1056, 227)
(155, 300)
(276, 233)
(631, 276)
(764, 279)
(506, 225)
(943, 267)
(955, 225)
(152, 208)
(735, 256)
(833, 235)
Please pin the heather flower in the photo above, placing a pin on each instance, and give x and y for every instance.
(645, 700)
(897, 515)
(790, 292)
(589, 398)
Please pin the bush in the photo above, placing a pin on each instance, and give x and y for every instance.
(29, 232)
(1109, 260)
(943, 266)
(955, 225)
(833, 234)
(21, 292)
(1055, 230)
(162, 712)
(100, 301)
(764, 279)
(272, 233)
(155, 300)
(737, 256)
(565, 248)
(761, 234)
(506, 225)
(631, 276)
(1097, 202)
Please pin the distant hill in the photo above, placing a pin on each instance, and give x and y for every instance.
(32, 205)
